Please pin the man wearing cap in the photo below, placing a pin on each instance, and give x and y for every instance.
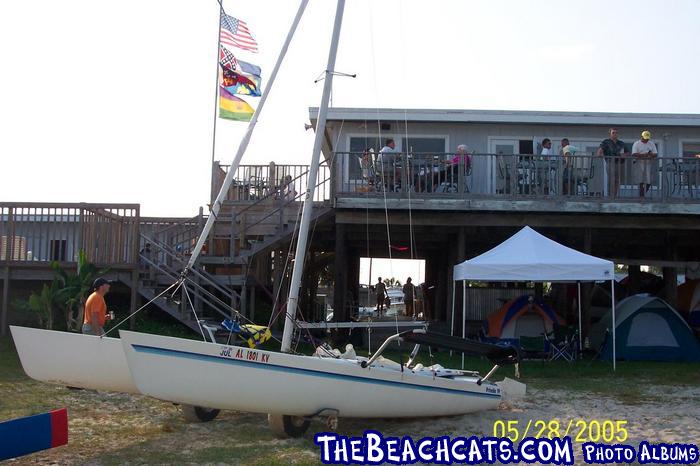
(643, 152)
(96, 308)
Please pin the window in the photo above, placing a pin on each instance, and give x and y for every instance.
(690, 149)
(423, 145)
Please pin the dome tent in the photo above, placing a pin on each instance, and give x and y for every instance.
(521, 317)
(648, 329)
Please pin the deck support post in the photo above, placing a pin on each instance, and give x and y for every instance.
(5, 300)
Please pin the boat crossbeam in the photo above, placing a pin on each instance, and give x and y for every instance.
(413, 355)
(386, 343)
(490, 373)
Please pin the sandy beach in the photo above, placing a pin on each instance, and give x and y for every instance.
(108, 428)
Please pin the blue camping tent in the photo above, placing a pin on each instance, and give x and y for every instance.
(648, 329)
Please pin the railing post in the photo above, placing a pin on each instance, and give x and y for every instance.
(404, 172)
(611, 182)
(461, 175)
(512, 167)
(6, 273)
(5, 299)
(333, 167)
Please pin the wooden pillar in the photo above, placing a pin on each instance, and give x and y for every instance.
(539, 290)
(353, 277)
(459, 256)
(586, 287)
(305, 302)
(341, 275)
(244, 292)
(634, 279)
(313, 293)
(134, 297)
(441, 301)
(5, 300)
(135, 283)
(252, 303)
(277, 264)
(671, 285)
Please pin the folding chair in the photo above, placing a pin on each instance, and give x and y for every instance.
(563, 343)
(533, 347)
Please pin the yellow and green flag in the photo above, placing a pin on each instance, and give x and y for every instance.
(232, 107)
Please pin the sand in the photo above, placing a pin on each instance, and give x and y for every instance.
(116, 428)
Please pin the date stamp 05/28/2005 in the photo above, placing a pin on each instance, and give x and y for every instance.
(580, 430)
(535, 441)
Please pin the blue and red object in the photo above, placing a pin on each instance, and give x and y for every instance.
(34, 433)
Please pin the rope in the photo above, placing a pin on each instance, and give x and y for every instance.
(178, 283)
(194, 311)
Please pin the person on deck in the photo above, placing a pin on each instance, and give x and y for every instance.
(96, 314)
(409, 294)
(565, 172)
(449, 176)
(289, 193)
(644, 151)
(388, 170)
(613, 150)
(546, 147)
(380, 290)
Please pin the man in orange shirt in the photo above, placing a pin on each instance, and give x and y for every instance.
(96, 308)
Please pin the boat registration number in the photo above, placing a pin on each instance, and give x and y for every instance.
(244, 354)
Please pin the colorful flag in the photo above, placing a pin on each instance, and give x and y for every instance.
(233, 108)
(237, 82)
(227, 59)
(235, 33)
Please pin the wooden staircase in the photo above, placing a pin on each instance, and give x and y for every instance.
(246, 230)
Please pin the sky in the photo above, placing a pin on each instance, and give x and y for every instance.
(115, 101)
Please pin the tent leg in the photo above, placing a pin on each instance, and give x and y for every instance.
(452, 315)
(612, 282)
(580, 331)
(464, 313)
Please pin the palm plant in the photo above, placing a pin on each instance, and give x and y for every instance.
(42, 304)
(75, 289)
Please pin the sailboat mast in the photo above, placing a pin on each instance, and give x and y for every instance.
(216, 206)
(311, 184)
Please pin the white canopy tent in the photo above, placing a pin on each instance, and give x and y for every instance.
(529, 256)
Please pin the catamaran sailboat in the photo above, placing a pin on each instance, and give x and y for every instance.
(291, 388)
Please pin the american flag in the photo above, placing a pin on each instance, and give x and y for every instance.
(235, 33)
(227, 59)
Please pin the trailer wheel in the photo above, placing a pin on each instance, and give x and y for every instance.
(198, 413)
(287, 426)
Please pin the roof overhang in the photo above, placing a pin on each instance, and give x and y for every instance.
(509, 117)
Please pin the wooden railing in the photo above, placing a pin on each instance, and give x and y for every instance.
(44, 232)
(662, 179)
(178, 234)
(256, 182)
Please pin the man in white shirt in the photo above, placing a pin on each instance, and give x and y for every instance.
(546, 147)
(388, 170)
(389, 146)
(644, 151)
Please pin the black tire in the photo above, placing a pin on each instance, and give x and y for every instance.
(198, 413)
(288, 426)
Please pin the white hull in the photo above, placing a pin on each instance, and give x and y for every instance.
(73, 359)
(231, 377)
